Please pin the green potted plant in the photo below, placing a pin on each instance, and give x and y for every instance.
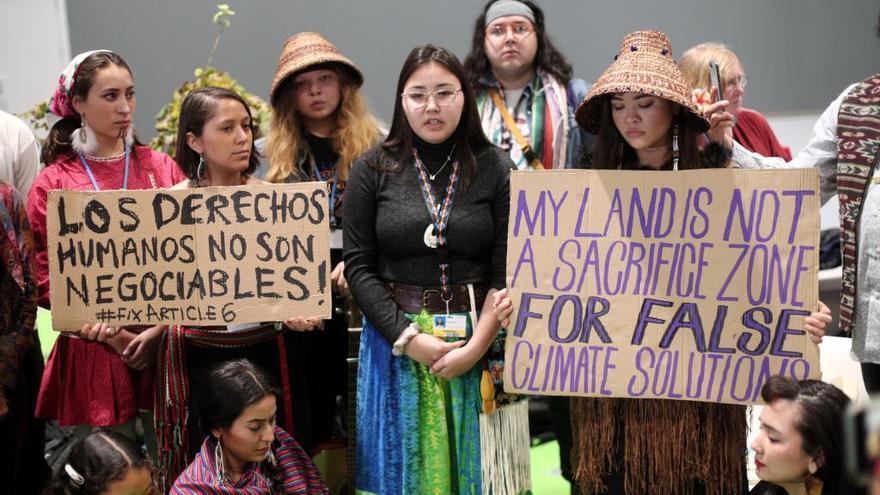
(166, 120)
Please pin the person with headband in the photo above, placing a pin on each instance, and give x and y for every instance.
(102, 375)
(641, 112)
(751, 129)
(320, 125)
(525, 91)
(526, 95)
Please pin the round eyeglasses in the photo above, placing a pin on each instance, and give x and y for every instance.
(419, 99)
(496, 33)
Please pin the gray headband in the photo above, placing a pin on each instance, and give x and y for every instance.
(504, 8)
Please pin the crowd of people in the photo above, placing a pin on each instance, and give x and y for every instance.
(419, 221)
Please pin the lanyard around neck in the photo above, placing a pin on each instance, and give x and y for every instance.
(332, 187)
(88, 169)
(439, 213)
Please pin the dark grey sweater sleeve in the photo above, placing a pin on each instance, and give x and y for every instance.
(361, 252)
(501, 214)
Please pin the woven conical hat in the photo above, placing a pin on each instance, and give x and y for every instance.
(643, 64)
(304, 50)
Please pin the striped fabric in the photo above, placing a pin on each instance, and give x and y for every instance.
(858, 139)
(172, 399)
(294, 474)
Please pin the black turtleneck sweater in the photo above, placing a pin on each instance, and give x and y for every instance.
(386, 218)
(434, 157)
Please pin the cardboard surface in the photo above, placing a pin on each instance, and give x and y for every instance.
(689, 285)
(209, 256)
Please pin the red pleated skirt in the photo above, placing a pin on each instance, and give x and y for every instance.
(87, 382)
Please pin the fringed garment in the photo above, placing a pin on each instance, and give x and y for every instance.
(291, 473)
(658, 446)
(173, 399)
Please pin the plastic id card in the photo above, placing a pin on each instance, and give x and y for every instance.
(446, 326)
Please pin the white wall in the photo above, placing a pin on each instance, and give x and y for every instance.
(793, 50)
(35, 45)
(34, 48)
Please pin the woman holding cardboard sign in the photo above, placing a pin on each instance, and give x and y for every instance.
(425, 238)
(641, 113)
(215, 147)
(93, 148)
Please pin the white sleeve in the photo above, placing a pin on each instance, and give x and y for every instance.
(820, 152)
(26, 166)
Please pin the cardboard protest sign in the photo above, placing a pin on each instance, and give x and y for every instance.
(688, 285)
(208, 256)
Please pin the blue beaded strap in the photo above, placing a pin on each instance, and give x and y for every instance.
(439, 217)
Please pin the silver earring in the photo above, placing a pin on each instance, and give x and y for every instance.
(83, 137)
(83, 140)
(219, 468)
(270, 456)
(200, 170)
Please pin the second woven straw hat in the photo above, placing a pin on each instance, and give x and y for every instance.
(304, 50)
(643, 64)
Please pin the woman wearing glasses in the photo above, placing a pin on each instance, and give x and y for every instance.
(425, 241)
(751, 129)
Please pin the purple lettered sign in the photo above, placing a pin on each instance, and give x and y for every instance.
(689, 285)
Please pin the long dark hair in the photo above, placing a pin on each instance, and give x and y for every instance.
(198, 107)
(100, 458)
(226, 392)
(819, 420)
(548, 58)
(58, 141)
(611, 151)
(469, 136)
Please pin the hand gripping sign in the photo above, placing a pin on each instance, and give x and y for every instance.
(689, 285)
(209, 256)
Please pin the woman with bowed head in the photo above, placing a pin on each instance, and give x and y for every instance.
(641, 112)
(245, 451)
(425, 241)
(215, 147)
(101, 376)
